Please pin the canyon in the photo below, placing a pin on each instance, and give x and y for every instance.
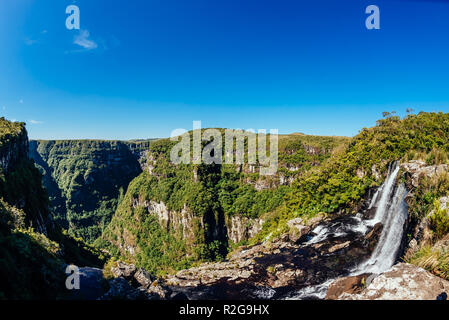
(343, 218)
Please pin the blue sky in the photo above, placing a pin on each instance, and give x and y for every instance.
(140, 69)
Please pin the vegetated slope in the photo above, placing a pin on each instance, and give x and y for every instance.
(342, 185)
(175, 215)
(85, 179)
(31, 261)
(339, 185)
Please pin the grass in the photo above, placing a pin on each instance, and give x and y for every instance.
(432, 258)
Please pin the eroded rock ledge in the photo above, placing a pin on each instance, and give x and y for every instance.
(403, 281)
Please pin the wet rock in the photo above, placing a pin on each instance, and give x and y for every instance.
(124, 270)
(350, 285)
(373, 236)
(338, 246)
(370, 213)
(272, 270)
(402, 282)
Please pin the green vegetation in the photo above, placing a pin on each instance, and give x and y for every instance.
(9, 132)
(29, 264)
(33, 250)
(341, 182)
(170, 217)
(433, 251)
(432, 258)
(85, 180)
(439, 220)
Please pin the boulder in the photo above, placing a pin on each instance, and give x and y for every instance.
(370, 213)
(297, 229)
(143, 278)
(418, 169)
(372, 237)
(124, 270)
(350, 285)
(157, 287)
(403, 282)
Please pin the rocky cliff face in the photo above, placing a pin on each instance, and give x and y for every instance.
(33, 249)
(21, 185)
(242, 228)
(14, 149)
(183, 220)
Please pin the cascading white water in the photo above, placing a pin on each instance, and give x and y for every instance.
(382, 205)
(391, 211)
(392, 219)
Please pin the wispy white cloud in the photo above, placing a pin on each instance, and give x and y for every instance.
(30, 42)
(36, 122)
(36, 39)
(82, 39)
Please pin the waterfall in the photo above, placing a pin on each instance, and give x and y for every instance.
(391, 211)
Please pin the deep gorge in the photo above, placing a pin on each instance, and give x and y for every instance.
(338, 211)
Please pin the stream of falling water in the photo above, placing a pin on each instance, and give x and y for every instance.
(391, 211)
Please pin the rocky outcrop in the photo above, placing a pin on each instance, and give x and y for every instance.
(13, 150)
(123, 270)
(297, 229)
(275, 269)
(402, 282)
(21, 184)
(349, 285)
(169, 219)
(422, 233)
(238, 228)
(132, 284)
(143, 278)
(418, 169)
